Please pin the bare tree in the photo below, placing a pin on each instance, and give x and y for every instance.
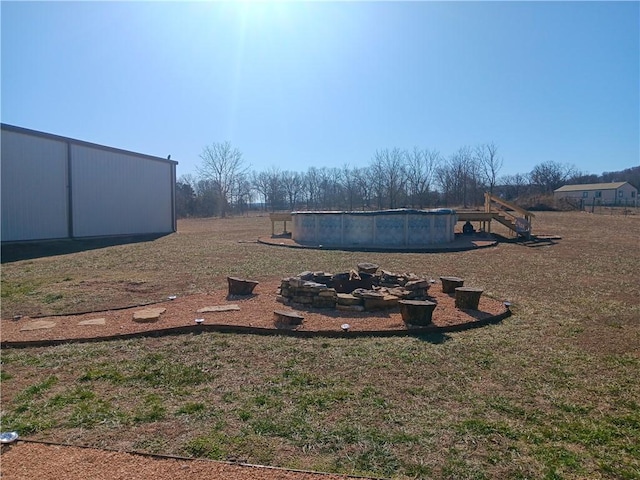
(292, 185)
(458, 179)
(363, 185)
(512, 186)
(548, 176)
(446, 183)
(375, 174)
(324, 187)
(260, 183)
(185, 196)
(269, 185)
(241, 193)
(350, 185)
(312, 187)
(206, 203)
(223, 165)
(332, 187)
(489, 163)
(421, 167)
(413, 165)
(389, 164)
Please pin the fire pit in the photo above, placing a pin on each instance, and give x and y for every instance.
(356, 291)
(348, 282)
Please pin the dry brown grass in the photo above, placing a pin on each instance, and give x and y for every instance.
(551, 392)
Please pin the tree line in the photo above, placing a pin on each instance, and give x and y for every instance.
(394, 178)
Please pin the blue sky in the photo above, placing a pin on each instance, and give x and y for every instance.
(295, 85)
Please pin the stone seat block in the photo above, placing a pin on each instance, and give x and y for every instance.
(417, 312)
(241, 286)
(468, 298)
(449, 284)
(287, 317)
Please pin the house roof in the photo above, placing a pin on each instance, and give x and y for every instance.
(590, 186)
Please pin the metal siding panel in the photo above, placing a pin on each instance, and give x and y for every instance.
(627, 189)
(34, 187)
(119, 194)
(609, 196)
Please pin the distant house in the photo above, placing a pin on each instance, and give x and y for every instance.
(615, 193)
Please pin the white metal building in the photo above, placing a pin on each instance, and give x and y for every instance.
(614, 193)
(55, 187)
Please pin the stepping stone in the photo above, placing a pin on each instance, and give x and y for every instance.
(219, 308)
(148, 315)
(93, 321)
(38, 325)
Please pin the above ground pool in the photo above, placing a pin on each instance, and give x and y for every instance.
(382, 228)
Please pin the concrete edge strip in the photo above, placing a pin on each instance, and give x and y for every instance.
(241, 329)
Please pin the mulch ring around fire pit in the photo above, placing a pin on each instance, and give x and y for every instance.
(248, 314)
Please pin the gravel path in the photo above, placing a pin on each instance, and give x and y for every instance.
(29, 461)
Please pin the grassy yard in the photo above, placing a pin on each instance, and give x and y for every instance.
(551, 392)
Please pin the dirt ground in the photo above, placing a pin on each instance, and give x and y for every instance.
(580, 291)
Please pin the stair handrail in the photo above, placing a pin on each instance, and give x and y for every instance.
(521, 226)
(488, 198)
(507, 214)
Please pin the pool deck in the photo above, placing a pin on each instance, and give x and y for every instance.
(461, 243)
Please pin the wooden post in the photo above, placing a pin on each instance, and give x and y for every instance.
(279, 217)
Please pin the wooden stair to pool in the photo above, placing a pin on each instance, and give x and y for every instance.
(515, 218)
